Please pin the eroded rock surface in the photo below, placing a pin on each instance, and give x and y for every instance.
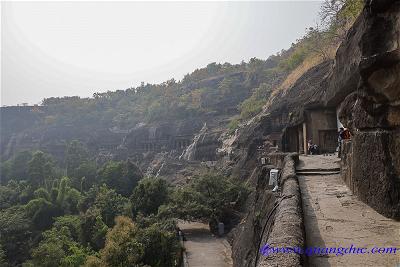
(372, 112)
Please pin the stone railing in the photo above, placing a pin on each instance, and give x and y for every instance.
(288, 227)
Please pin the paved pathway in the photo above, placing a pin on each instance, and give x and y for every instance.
(334, 217)
(204, 249)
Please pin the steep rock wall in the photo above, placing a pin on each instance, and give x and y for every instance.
(363, 83)
(372, 111)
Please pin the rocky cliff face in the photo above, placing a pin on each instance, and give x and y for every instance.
(150, 145)
(264, 132)
(372, 110)
(363, 83)
(138, 122)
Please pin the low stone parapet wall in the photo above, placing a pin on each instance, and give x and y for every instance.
(288, 227)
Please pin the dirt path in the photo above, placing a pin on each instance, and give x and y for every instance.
(204, 249)
(334, 217)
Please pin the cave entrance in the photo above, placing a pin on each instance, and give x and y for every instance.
(320, 126)
(292, 140)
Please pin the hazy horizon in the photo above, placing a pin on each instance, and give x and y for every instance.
(79, 48)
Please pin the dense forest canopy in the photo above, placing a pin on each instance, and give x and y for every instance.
(101, 215)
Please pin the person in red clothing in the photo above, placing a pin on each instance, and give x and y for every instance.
(346, 134)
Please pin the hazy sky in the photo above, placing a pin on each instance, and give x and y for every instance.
(78, 48)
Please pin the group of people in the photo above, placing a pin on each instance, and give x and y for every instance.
(343, 134)
(312, 148)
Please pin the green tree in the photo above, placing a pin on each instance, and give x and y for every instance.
(88, 198)
(253, 105)
(46, 205)
(255, 69)
(85, 175)
(100, 206)
(40, 168)
(160, 245)
(233, 125)
(338, 15)
(2, 256)
(121, 176)
(94, 230)
(76, 257)
(295, 59)
(80, 168)
(94, 261)
(9, 195)
(155, 110)
(15, 234)
(72, 223)
(111, 204)
(16, 168)
(122, 247)
(227, 86)
(76, 153)
(148, 195)
(211, 197)
(42, 212)
(48, 253)
(59, 249)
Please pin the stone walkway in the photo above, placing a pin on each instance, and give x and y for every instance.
(203, 249)
(334, 217)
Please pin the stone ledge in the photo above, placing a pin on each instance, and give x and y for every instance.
(288, 228)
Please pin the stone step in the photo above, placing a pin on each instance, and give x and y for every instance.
(307, 173)
(318, 170)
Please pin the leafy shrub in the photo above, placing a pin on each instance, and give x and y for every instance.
(233, 125)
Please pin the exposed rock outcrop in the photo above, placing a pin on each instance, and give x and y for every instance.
(372, 111)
